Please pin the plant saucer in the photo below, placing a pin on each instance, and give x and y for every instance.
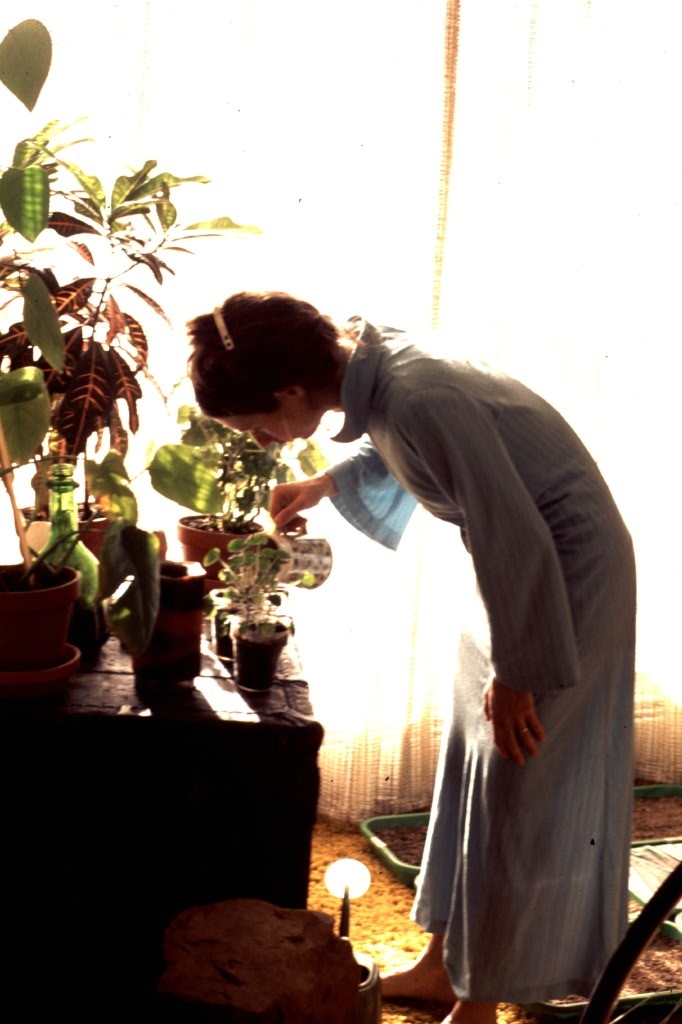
(16, 684)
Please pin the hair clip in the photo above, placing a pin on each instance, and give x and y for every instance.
(221, 327)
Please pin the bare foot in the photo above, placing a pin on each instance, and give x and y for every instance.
(425, 979)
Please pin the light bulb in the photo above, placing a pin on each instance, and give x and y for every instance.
(347, 874)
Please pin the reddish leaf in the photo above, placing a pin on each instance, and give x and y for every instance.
(58, 383)
(118, 435)
(88, 399)
(138, 339)
(84, 252)
(114, 317)
(150, 260)
(74, 296)
(66, 225)
(14, 343)
(150, 302)
(127, 387)
(98, 433)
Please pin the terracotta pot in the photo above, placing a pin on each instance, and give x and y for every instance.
(25, 684)
(34, 623)
(196, 543)
(174, 651)
(94, 531)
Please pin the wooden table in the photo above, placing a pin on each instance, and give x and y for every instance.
(117, 811)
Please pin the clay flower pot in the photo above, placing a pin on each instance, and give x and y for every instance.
(26, 684)
(173, 655)
(34, 623)
(197, 539)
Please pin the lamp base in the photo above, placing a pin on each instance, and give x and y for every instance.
(367, 1009)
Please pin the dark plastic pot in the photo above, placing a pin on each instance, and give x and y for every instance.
(222, 634)
(258, 656)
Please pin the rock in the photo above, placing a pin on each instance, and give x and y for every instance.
(248, 961)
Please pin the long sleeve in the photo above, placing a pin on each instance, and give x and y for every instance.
(370, 498)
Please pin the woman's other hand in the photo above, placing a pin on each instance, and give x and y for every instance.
(287, 500)
(517, 730)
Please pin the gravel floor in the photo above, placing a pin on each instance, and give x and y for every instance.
(380, 924)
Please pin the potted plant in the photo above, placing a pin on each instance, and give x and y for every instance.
(83, 323)
(253, 598)
(27, 405)
(129, 580)
(35, 599)
(225, 478)
(90, 295)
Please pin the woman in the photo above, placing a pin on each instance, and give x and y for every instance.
(523, 885)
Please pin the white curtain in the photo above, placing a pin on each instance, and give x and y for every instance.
(322, 123)
(564, 255)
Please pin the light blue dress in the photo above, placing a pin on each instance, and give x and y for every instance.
(525, 868)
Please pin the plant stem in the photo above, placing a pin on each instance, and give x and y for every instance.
(8, 479)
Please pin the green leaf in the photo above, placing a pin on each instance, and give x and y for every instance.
(41, 149)
(41, 322)
(89, 183)
(53, 129)
(24, 412)
(109, 484)
(119, 216)
(161, 183)
(311, 459)
(126, 187)
(167, 215)
(222, 224)
(26, 153)
(179, 473)
(25, 58)
(25, 199)
(129, 575)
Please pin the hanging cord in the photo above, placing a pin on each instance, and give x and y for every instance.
(450, 54)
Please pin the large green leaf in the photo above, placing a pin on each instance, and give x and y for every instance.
(41, 321)
(167, 215)
(129, 576)
(145, 187)
(109, 483)
(25, 58)
(25, 199)
(180, 473)
(24, 412)
(126, 186)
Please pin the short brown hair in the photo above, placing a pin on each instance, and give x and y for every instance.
(279, 342)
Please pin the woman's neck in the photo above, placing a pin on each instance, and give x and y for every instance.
(345, 351)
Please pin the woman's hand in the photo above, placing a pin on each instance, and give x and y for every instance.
(517, 730)
(287, 500)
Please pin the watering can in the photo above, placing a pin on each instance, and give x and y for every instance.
(310, 558)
